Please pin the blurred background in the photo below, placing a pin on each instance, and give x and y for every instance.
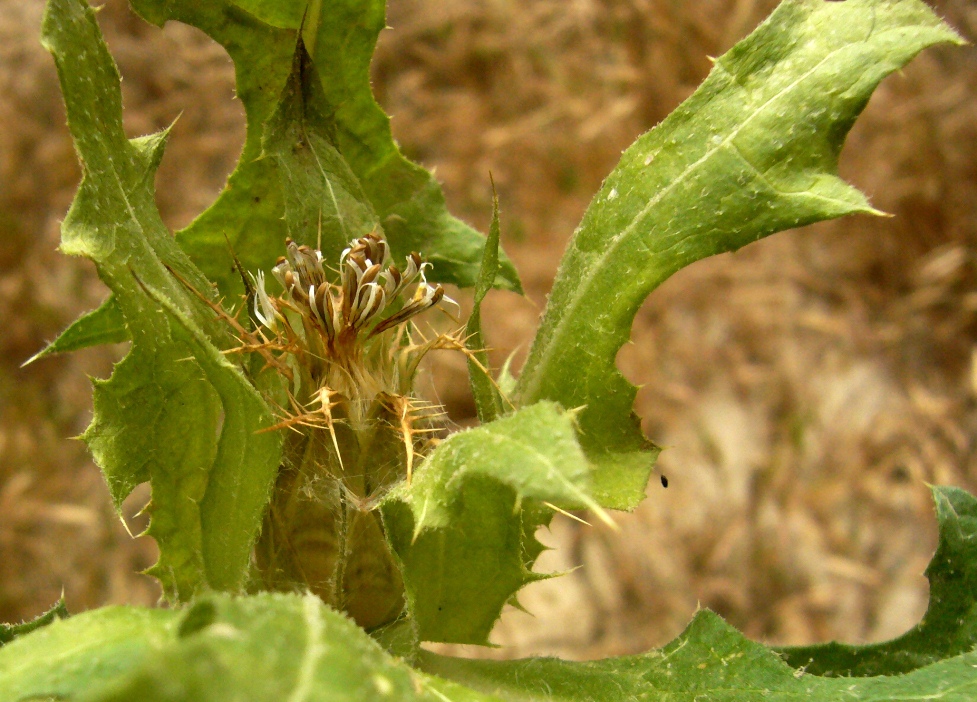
(805, 388)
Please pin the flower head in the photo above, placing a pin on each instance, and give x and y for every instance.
(367, 298)
(341, 333)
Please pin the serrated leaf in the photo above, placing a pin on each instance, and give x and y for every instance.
(243, 472)
(103, 325)
(709, 661)
(72, 656)
(752, 152)
(262, 648)
(9, 632)
(168, 414)
(949, 626)
(458, 529)
(261, 40)
(323, 197)
(488, 400)
(287, 647)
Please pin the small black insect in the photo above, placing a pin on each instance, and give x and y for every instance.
(664, 482)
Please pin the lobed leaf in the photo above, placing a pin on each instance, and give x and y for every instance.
(266, 647)
(9, 632)
(949, 626)
(244, 469)
(70, 657)
(488, 400)
(290, 647)
(171, 414)
(103, 325)
(322, 195)
(709, 661)
(753, 151)
(261, 39)
(458, 530)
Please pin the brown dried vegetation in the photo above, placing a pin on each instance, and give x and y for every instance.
(805, 387)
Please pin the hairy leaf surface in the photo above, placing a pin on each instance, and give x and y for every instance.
(752, 152)
(71, 656)
(170, 414)
(261, 39)
(270, 648)
(323, 197)
(458, 529)
(949, 626)
(711, 660)
(289, 647)
(103, 325)
(488, 400)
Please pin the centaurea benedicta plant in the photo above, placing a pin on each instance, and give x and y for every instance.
(357, 427)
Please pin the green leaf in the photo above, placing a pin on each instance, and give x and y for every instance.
(73, 656)
(752, 152)
(261, 40)
(243, 472)
(322, 195)
(709, 661)
(263, 648)
(287, 647)
(458, 529)
(171, 413)
(949, 626)
(9, 632)
(103, 325)
(488, 400)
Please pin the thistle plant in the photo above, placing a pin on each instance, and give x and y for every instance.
(349, 357)
(316, 521)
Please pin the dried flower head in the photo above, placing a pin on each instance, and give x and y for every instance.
(333, 328)
(350, 354)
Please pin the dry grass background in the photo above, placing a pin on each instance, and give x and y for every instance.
(805, 387)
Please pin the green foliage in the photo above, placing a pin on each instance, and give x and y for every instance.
(489, 402)
(9, 632)
(174, 412)
(710, 660)
(321, 192)
(103, 325)
(261, 40)
(949, 627)
(752, 152)
(278, 647)
(463, 553)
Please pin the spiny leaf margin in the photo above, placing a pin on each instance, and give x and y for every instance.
(272, 647)
(949, 626)
(458, 530)
(261, 39)
(160, 417)
(753, 151)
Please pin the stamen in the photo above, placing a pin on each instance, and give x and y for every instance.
(289, 280)
(370, 274)
(307, 264)
(392, 280)
(369, 301)
(367, 285)
(323, 310)
(279, 272)
(264, 311)
(424, 298)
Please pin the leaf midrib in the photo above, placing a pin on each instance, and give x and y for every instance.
(529, 391)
